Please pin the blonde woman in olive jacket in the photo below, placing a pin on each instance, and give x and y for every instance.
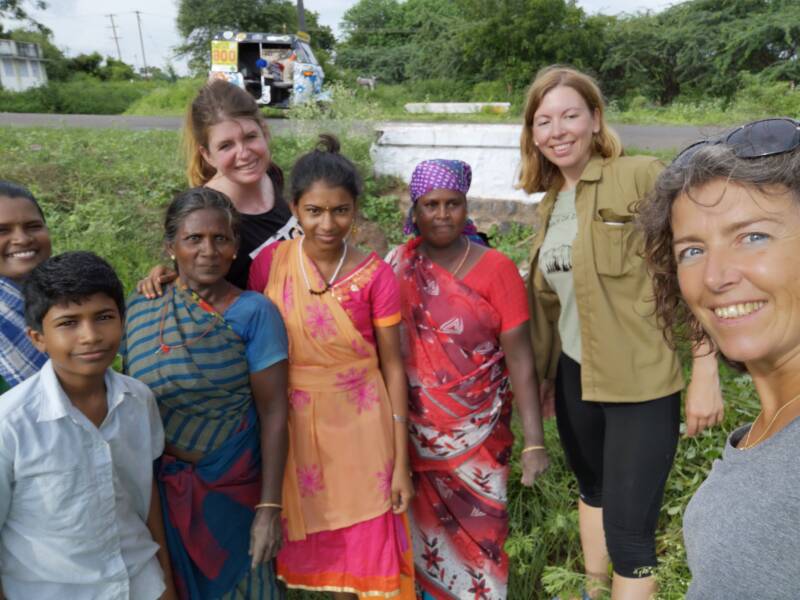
(599, 352)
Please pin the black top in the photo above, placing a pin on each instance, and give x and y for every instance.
(258, 230)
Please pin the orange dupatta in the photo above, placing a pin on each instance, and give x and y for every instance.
(340, 461)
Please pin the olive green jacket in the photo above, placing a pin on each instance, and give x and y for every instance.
(624, 357)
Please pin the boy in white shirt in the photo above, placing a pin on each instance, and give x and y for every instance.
(78, 507)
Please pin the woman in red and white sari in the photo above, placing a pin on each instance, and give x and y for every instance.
(466, 343)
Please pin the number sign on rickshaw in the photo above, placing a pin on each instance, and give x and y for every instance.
(224, 55)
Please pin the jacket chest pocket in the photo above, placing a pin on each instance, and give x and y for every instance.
(611, 241)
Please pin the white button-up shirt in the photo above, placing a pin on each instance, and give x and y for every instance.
(74, 499)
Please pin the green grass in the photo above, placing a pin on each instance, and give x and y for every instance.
(168, 99)
(756, 99)
(83, 95)
(106, 190)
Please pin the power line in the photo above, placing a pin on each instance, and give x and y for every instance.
(141, 41)
(115, 36)
(149, 14)
(301, 16)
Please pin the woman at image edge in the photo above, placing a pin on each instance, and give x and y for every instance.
(723, 237)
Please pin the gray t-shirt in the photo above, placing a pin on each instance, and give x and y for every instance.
(555, 263)
(742, 527)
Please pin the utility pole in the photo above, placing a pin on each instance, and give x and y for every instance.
(141, 42)
(301, 16)
(115, 36)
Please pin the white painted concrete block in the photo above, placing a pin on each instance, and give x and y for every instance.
(491, 150)
(457, 107)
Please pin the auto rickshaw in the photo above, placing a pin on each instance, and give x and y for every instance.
(278, 70)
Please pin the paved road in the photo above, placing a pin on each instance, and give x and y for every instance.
(278, 126)
(639, 136)
(662, 137)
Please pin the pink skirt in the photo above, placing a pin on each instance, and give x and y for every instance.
(371, 559)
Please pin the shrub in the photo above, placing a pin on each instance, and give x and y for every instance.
(81, 95)
(491, 91)
(99, 98)
(170, 99)
(759, 96)
(345, 104)
(35, 100)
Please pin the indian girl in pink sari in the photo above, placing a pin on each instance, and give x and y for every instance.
(347, 483)
(465, 334)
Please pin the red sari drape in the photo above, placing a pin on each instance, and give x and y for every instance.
(459, 425)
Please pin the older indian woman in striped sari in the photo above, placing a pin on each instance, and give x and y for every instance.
(215, 358)
(465, 328)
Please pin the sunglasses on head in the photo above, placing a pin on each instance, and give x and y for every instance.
(766, 137)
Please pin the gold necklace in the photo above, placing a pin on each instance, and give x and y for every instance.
(460, 263)
(747, 445)
(463, 259)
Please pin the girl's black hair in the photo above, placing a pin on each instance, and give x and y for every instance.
(195, 199)
(325, 164)
(12, 190)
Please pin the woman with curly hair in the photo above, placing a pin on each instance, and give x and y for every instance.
(722, 237)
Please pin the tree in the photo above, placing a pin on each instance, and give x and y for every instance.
(694, 49)
(199, 20)
(168, 73)
(468, 40)
(376, 40)
(512, 39)
(15, 10)
(88, 64)
(117, 70)
(702, 48)
(434, 51)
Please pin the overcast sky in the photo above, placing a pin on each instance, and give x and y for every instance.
(84, 26)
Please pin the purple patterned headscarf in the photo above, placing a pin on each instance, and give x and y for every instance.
(438, 174)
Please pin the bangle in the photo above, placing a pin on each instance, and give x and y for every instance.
(267, 505)
(400, 418)
(532, 448)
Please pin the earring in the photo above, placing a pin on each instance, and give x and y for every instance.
(353, 231)
(234, 256)
(172, 256)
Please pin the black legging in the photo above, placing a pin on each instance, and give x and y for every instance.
(621, 454)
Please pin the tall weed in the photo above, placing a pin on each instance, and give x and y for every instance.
(83, 95)
(169, 99)
(757, 98)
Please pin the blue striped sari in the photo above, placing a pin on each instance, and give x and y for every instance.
(197, 368)
(19, 359)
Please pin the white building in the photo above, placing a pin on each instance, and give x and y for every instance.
(22, 66)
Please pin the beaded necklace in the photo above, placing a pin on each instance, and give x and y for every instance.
(328, 283)
(163, 347)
